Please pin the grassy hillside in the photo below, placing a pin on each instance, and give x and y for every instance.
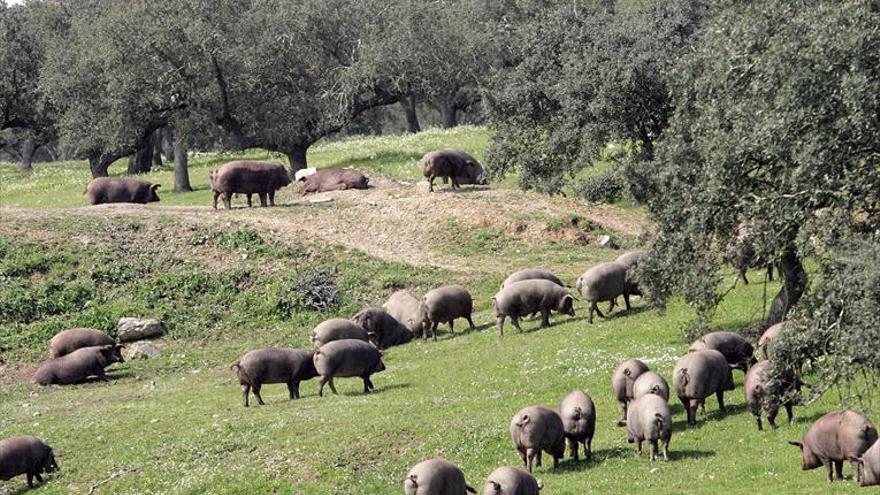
(396, 157)
(228, 282)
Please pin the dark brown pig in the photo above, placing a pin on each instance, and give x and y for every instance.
(445, 304)
(78, 365)
(650, 383)
(649, 418)
(698, 375)
(622, 384)
(834, 438)
(383, 330)
(436, 477)
(535, 429)
(511, 481)
(526, 297)
(119, 190)
(766, 340)
(603, 282)
(347, 358)
(764, 392)
(67, 341)
(451, 164)
(26, 455)
(578, 421)
(868, 465)
(290, 366)
(337, 329)
(408, 309)
(335, 179)
(631, 260)
(531, 274)
(735, 348)
(248, 177)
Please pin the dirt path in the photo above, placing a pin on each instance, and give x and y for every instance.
(393, 221)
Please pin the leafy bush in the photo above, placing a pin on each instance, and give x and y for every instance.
(606, 187)
(311, 291)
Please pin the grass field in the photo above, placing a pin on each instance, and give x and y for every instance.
(225, 283)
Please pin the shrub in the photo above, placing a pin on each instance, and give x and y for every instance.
(606, 187)
(311, 291)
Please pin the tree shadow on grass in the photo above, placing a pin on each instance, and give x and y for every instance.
(711, 415)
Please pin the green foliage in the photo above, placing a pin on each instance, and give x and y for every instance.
(606, 187)
(774, 132)
(309, 291)
(584, 77)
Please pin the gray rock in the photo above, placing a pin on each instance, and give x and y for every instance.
(607, 242)
(133, 329)
(142, 350)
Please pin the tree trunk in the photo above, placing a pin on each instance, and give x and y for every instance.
(156, 143)
(794, 283)
(167, 142)
(412, 118)
(450, 114)
(141, 162)
(181, 167)
(99, 167)
(28, 146)
(296, 156)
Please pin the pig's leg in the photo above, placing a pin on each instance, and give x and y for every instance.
(434, 330)
(626, 300)
(525, 459)
(262, 199)
(666, 449)
(598, 311)
(245, 391)
(431, 183)
(332, 386)
(470, 321)
(257, 388)
(451, 327)
(720, 395)
(588, 449)
(538, 453)
(545, 318)
(501, 325)
(30, 479)
(830, 468)
(515, 321)
(574, 448)
(321, 386)
(38, 477)
(789, 412)
(653, 450)
(250, 202)
(272, 198)
(761, 426)
(293, 388)
(227, 200)
(639, 446)
(216, 195)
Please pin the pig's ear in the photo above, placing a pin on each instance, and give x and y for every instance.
(797, 444)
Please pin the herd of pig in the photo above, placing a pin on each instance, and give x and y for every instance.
(354, 348)
(264, 179)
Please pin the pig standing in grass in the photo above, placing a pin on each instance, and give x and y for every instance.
(511, 481)
(67, 341)
(650, 383)
(445, 304)
(26, 455)
(451, 164)
(436, 477)
(622, 384)
(526, 297)
(649, 418)
(764, 393)
(631, 260)
(334, 179)
(78, 365)
(603, 282)
(290, 366)
(578, 421)
(768, 337)
(836, 437)
(248, 177)
(383, 330)
(347, 358)
(735, 348)
(531, 274)
(118, 190)
(535, 429)
(868, 466)
(698, 375)
(408, 309)
(337, 329)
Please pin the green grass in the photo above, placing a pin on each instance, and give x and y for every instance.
(55, 185)
(175, 424)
